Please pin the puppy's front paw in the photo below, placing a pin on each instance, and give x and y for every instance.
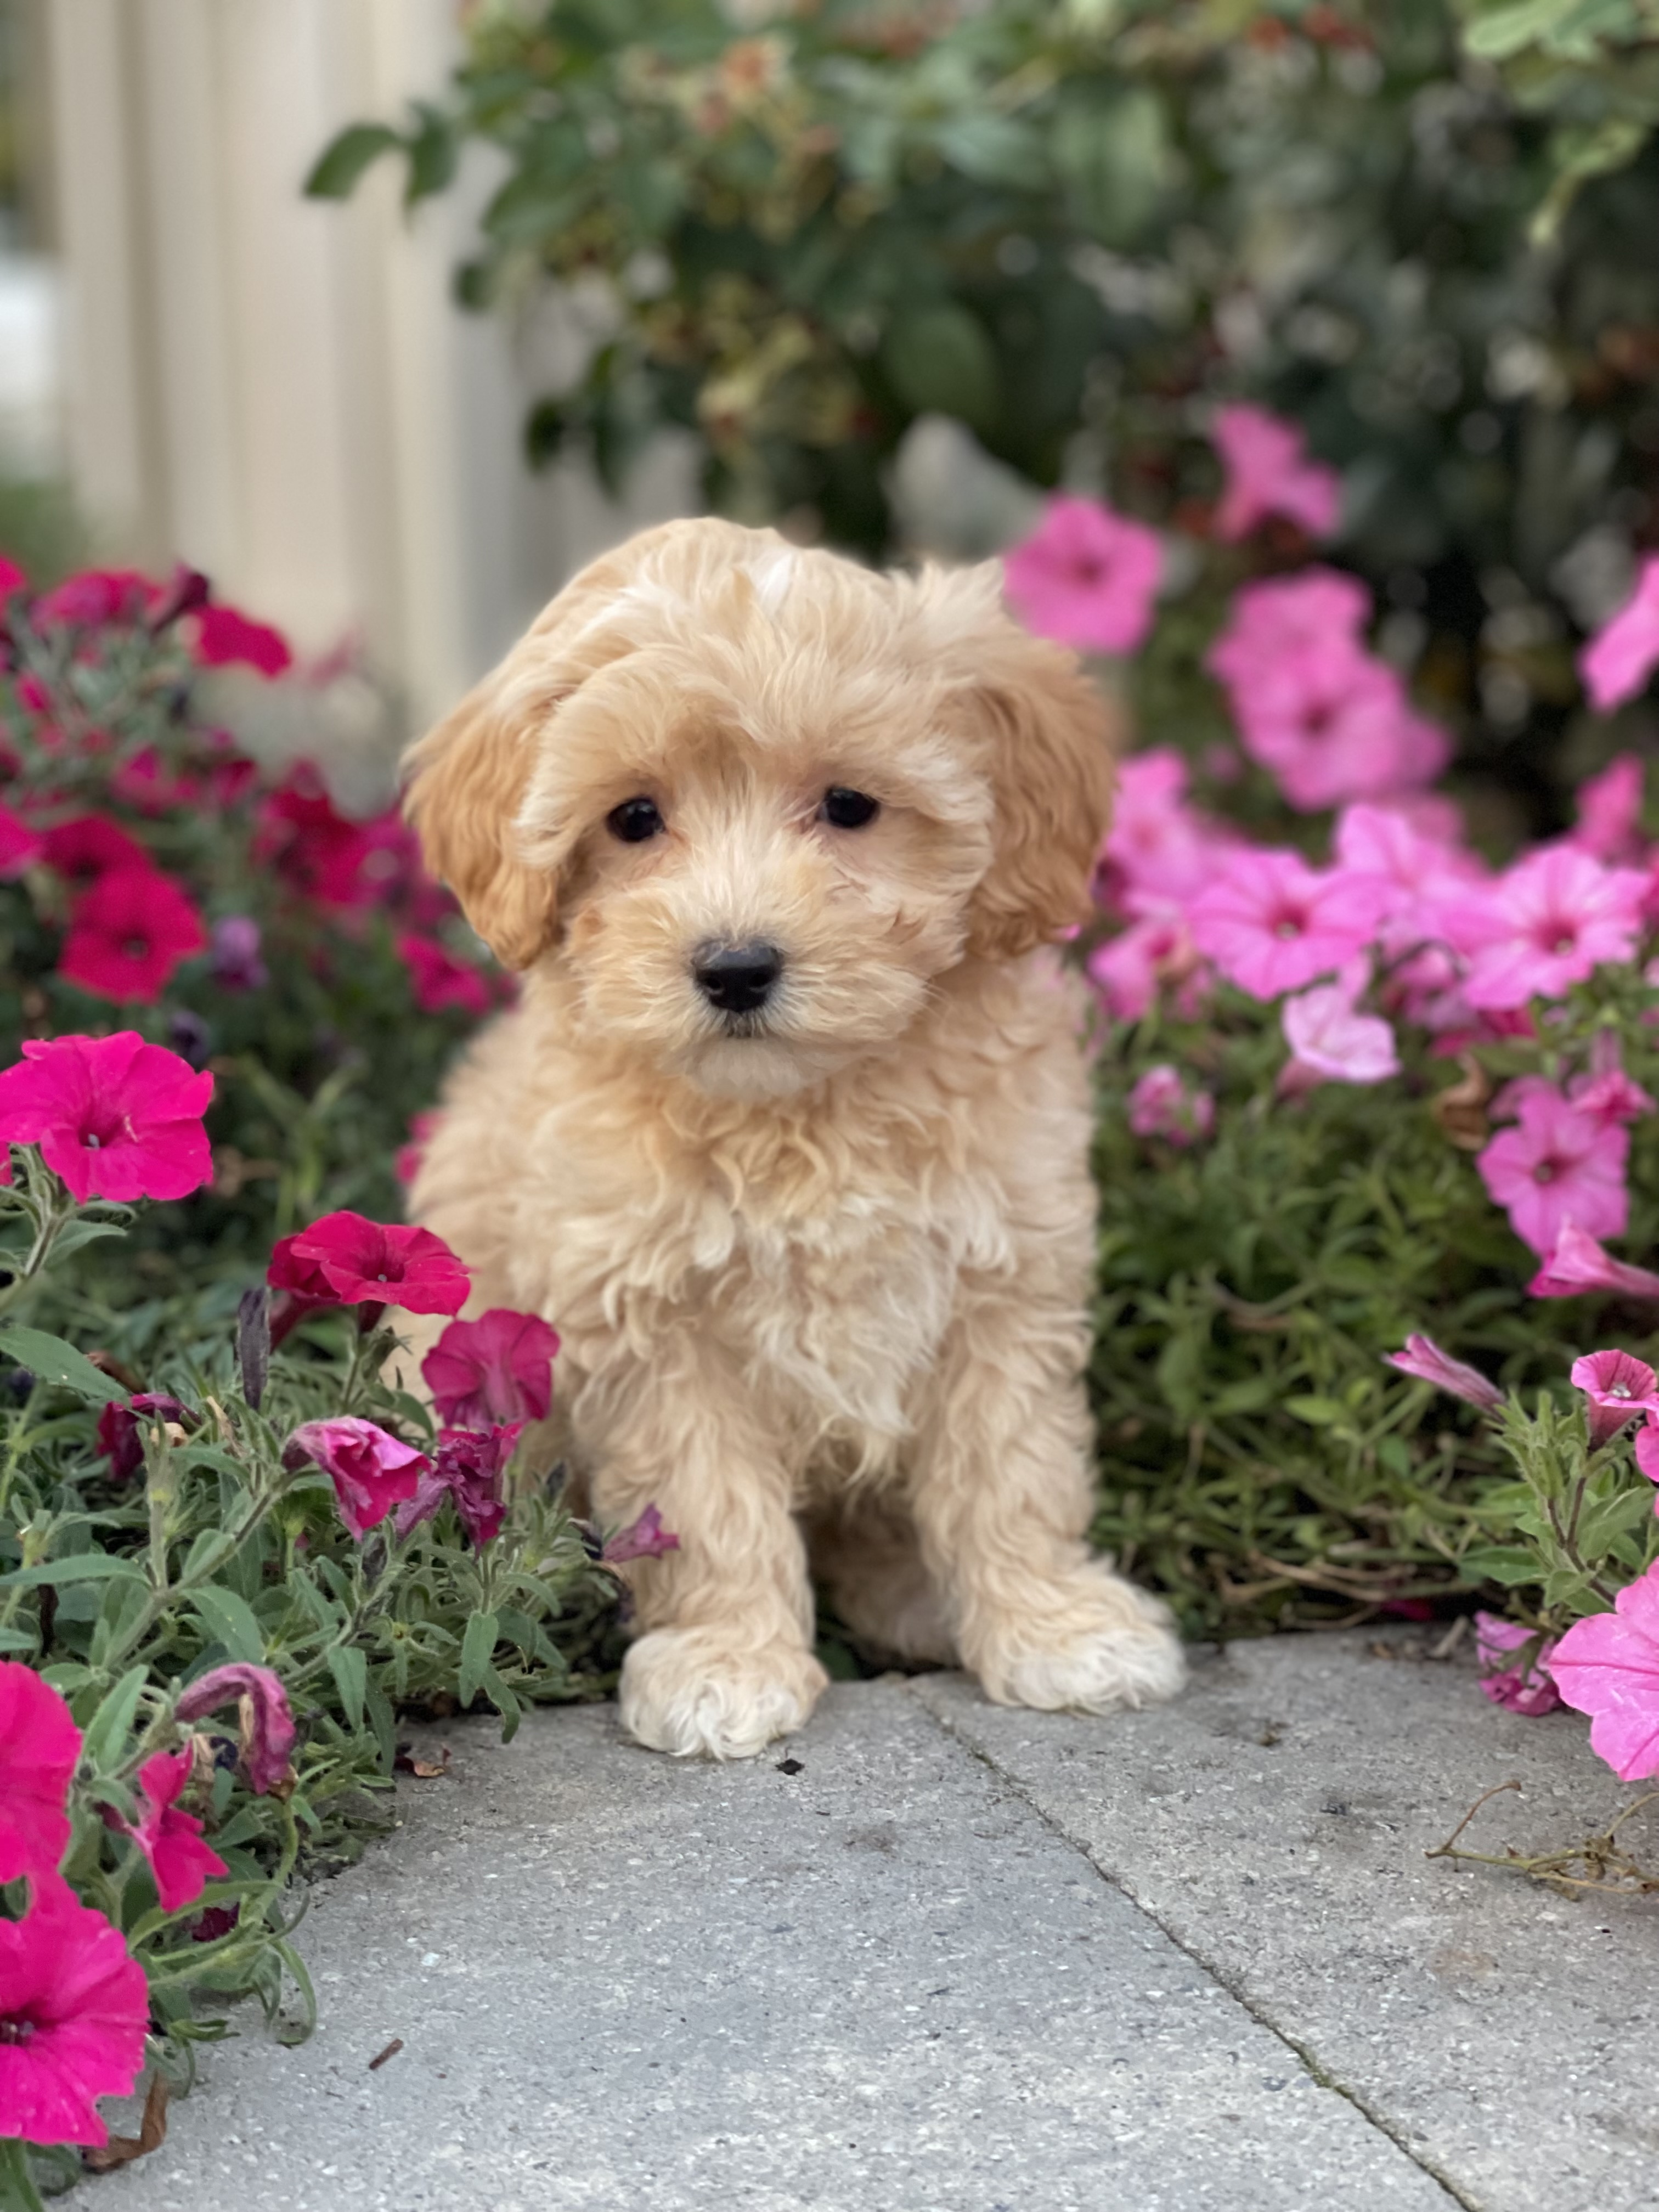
(1095, 1646)
(687, 1692)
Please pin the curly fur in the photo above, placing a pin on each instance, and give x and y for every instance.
(822, 1285)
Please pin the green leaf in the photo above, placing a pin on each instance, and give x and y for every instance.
(477, 1648)
(79, 1567)
(1506, 1564)
(939, 362)
(337, 172)
(53, 1361)
(431, 154)
(112, 1724)
(350, 1671)
(228, 1620)
(1317, 1412)
(17, 1639)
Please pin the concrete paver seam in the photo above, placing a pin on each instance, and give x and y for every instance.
(1305, 2058)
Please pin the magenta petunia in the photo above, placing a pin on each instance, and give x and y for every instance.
(311, 844)
(119, 1432)
(97, 597)
(267, 1724)
(1520, 1685)
(1622, 655)
(1579, 1264)
(497, 1367)
(224, 636)
(40, 1745)
(1271, 923)
(113, 1116)
(644, 1539)
(345, 1259)
(20, 847)
(1423, 1359)
(1086, 576)
(371, 1471)
(74, 2013)
(471, 1464)
(1546, 923)
(127, 933)
(406, 1160)
(89, 847)
(170, 1840)
(1608, 1666)
(1268, 472)
(1559, 1165)
(1617, 1389)
(1332, 1042)
(1163, 1103)
(440, 981)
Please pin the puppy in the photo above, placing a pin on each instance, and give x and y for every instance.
(788, 1133)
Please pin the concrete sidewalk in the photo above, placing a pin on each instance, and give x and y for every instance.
(961, 1960)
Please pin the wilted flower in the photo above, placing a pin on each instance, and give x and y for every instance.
(1424, 1359)
(498, 1368)
(1578, 1264)
(119, 1433)
(113, 1116)
(1086, 576)
(267, 1724)
(1522, 1688)
(1608, 1666)
(1161, 1104)
(371, 1471)
(1617, 1388)
(644, 1539)
(170, 1840)
(1558, 1166)
(40, 1745)
(74, 2012)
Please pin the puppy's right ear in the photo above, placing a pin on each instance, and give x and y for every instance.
(466, 783)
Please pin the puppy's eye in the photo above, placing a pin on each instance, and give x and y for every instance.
(635, 820)
(848, 810)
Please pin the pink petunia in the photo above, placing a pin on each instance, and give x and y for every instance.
(439, 980)
(1268, 472)
(371, 1470)
(1579, 1264)
(127, 933)
(39, 1746)
(1271, 923)
(1622, 655)
(224, 636)
(344, 1259)
(1546, 923)
(113, 1116)
(21, 848)
(644, 1539)
(1610, 811)
(1604, 1090)
(1163, 1104)
(267, 1724)
(170, 1840)
(1424, 1361)
(12, 578)
(1332, 1042)
(1129, 970)
(1617, 1388)
(1559, 1165)
(1418, 871)
(1608, 1666)
(74, 2013)
(1086, 576)
(1158, 847)
(1521, 1686)
(89, 847)
(496, 1369)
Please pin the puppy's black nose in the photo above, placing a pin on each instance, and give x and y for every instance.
(739, 979)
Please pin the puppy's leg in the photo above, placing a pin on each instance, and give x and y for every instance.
(724, 1663)
(1002, 1494)
(868, 1554)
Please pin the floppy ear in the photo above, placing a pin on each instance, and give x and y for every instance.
(466, 783)
(1046, 735)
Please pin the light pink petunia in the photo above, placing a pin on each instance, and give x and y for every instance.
(1521, 1686)
(267, 1724)
(1158, 847)
(1268, 472)
(1424, 1361)
(113, 1116)
(74, 2012)
(1271, 923)
(1608, 1667)
(1558, 1165)
(1281, 614)
(1331, 723)
(1579, 1264)
(1610, 811)
(40, 1745)
(498, 1368)
(1086, 576)
(1622, 655)
(171, 1841)
(1419, 870)
(1163, 1104)
(371, 1471)
(1617, 1388)
(1546, 923)
(1331, 1041)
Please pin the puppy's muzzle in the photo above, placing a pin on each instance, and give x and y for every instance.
(737, 979)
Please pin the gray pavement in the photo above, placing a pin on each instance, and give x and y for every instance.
(965, 1961)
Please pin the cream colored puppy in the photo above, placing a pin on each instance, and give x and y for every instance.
(788, 1134)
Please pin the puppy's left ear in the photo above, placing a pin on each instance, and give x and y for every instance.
(1047, 736)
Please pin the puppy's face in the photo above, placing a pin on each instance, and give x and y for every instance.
(756, 802)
